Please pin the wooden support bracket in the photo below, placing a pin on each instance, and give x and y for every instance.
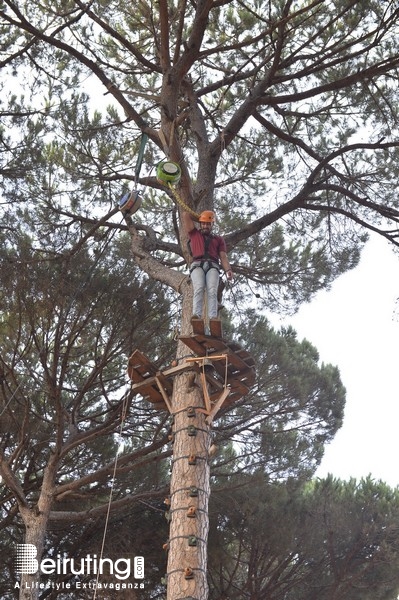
(208, 405)
(217, 406)
(164, 393)
(206, 393)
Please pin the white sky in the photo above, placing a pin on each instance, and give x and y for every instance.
(354, 327)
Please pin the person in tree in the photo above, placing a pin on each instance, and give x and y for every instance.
(209, 255)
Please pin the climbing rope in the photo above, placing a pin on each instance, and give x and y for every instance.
(122, 424)
(180, 201)
(90, 271)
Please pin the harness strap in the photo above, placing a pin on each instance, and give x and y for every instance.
(140, 157)
(212, 264)
(205, 256)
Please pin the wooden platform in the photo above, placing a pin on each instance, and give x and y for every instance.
(227, 365)
(154, 385)
(239, 372)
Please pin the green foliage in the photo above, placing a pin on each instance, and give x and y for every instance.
(327, 539)
(293, 100)
(283, 117)
(281, 426)
(68, 325)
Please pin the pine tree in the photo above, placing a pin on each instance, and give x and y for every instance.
(327, 539)
(281, 117)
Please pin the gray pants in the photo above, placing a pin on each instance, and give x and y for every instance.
(205, 277)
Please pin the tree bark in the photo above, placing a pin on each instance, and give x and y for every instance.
(36, 520)
(189, 494)
(189, 487)
(35, 527)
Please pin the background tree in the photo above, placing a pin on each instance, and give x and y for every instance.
(326, 539)
(275, 432)
(67, 329)
(281, 116)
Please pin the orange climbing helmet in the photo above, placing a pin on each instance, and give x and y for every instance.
(207, 216)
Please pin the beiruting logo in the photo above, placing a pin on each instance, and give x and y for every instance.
(27, 563)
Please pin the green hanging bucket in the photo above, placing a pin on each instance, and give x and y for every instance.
(168, 172)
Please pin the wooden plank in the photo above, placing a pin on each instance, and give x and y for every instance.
(239, 351)
(160, 406)
(183, 366)
(140, 379)
(201, 359)
(247, 375)
(139, 366)
(213, 382)
(138, 386)
(238, 359)
(237, 386)
(246, 357)
(206, 345)
(235, 382)
(232, 370)
(232, 398)
(213, 344)
(149, 392)
(198, 326)
(193, 343)
(156, 386)
(215, 326)
(142, 373)
(207, 399)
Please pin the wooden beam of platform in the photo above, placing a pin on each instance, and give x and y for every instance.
(208, 356)
(218, 405)
(240, 372)
(154, 385)
(139, 367)
(164, 394)
(204, 345)
(246, 375)
(206, 392)
(233, 370)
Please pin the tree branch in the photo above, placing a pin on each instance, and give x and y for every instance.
(151, 265)
(12, 482)
(62, 516)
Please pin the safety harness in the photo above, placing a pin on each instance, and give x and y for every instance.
(205, 258)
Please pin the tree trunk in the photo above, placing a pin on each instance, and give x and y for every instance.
(190, 488)
(36, 521)
(35, 527)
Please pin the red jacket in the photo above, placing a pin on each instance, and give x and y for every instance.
(197, 244)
